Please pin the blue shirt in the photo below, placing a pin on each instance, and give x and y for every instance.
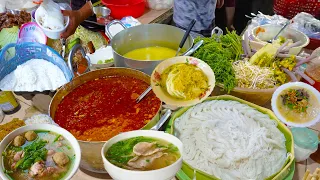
(201, 10)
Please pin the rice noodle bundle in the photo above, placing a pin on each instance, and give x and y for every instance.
(231, 140)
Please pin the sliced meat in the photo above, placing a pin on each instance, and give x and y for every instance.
(144, 161)
(146, 149)
(36, 168)
(18, 156)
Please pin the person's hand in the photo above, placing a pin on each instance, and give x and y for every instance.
(75, 19)
(219, 3)
(231, 27)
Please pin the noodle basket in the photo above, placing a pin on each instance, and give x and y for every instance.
(188, 172)
(27, 51)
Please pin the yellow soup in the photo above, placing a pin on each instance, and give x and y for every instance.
(151, 53)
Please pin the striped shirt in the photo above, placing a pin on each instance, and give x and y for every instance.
(201, 10)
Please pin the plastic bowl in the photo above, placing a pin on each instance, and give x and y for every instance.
(32, 31)
(47, 127)
(287, 86)
(123, 8)
(52, 34)
(271, 30)
(118, 173)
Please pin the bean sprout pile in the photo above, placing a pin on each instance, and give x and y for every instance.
(252, 76)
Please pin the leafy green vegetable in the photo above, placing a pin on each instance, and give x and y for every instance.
(7, 36)
(121, 152)
(220, 56)
(105, 61)
(100, 62)
(33, 152)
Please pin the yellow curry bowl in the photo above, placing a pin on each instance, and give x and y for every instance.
(282, 174)
(162, 93)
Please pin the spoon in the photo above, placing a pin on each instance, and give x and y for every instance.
(276, 36)
(186, 34)
(192, 50)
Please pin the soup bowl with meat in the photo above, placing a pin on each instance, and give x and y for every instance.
(101, 104)
(142, 155)
(42, 152)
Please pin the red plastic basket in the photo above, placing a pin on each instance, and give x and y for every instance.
(123, 8)
(289, 8)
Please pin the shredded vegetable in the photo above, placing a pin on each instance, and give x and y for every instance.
(253, 76)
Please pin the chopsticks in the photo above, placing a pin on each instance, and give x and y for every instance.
(314, 176)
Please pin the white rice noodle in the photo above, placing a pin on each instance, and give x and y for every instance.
(231, 140)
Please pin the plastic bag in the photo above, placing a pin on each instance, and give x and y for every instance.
(159, 4)
(307, 24)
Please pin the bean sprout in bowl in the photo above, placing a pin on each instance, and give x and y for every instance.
(297, 104)
(39, 151)
(148, 155)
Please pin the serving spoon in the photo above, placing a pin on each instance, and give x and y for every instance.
(276, 36)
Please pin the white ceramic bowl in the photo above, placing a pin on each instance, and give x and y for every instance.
(166, 173)
(68, 136)
(271, 30)
(102, 53)
(279, 91)
(52, 34)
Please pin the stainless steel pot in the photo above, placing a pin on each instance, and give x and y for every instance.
(144, 36)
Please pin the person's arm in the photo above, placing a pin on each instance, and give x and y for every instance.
(76, 17)
(230, 11)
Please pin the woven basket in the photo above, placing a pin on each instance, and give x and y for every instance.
(289, 8)
(27, 51)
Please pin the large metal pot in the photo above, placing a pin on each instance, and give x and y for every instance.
(144, 36)
(91, 150)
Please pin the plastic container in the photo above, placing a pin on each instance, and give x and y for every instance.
(53, 34)
(8, 103)
(160, 4)
(30, 50)
(305, 143)
(32, 32)
(123, 8)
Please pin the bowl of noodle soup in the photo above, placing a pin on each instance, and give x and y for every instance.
(279, 161)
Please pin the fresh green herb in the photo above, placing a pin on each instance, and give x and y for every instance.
(147, 160)
(9, 177)
(57, 137)
(296, 99)
(41, 131)
(33, 152)
(220, 55)
(100, 62)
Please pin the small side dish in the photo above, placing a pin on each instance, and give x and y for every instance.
(297, 104)
(182, 81)
(39, 152)
(143, 153)
(38, 155)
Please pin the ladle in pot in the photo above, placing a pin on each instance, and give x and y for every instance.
(192, 50)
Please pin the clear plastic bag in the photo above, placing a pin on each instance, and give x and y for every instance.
(159, 4)
(307, 24)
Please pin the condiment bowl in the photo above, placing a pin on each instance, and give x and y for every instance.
(165, 173)
(46, 127)
(270, 30)
(286, 86)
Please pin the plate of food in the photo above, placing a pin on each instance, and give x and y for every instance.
(226, 137)
(182, 81)
(297, 104)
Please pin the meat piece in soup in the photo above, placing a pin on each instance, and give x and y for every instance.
(44, 156)
(143, 153)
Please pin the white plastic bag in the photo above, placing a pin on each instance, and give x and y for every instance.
(50, 15)
(159, 4)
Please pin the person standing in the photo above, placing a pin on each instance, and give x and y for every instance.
(203, 11)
